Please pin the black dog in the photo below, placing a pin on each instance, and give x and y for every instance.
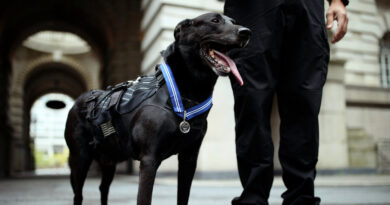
(153, 131)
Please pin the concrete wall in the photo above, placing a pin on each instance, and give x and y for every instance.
(368, 105)
(368, 22)
(333, 153)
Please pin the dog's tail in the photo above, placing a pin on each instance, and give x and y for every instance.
(76, 128)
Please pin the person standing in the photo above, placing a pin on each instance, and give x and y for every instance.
(288, 54)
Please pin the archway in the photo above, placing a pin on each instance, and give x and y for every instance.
(46, 62)
(47, 126)
(110, 28)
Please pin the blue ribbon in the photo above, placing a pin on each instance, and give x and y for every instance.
(177, 103)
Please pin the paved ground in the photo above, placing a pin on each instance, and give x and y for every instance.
(340, 190)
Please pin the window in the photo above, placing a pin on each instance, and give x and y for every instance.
(58, 149)
(384, 60)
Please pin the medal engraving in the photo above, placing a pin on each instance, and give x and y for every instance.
(185, 127)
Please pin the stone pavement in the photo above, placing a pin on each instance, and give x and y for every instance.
(334, 190)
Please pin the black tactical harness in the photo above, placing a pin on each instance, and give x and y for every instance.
(121, 99)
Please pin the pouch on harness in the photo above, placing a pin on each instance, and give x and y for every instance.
(104, 105)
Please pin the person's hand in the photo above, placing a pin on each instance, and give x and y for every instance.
(337, 12)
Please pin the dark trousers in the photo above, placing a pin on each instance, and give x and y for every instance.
(288, 55)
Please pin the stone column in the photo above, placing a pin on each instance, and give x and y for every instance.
(15, 114)
(333, 153)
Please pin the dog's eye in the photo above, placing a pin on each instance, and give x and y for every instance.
(216, 20)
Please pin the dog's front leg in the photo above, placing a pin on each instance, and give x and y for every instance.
(148, 170)
(187, 167)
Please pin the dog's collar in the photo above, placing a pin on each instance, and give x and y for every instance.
(177, 103)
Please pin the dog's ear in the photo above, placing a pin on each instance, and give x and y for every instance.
(181, 26)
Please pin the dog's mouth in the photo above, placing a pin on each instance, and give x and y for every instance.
(222, 65)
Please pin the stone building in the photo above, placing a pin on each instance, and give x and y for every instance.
(123, 38)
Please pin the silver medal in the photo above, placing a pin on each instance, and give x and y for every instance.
(184, 126)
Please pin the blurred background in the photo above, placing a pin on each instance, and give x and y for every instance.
(52, 51)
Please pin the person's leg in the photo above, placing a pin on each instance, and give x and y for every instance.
(258, 64)
(302, 76)
(254, 146)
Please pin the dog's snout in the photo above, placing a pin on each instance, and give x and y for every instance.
(244, 33)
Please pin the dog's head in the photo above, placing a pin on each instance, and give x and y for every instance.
(213, 35)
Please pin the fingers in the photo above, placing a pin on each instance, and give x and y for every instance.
(342, 25)
(329, 20)
(337, 12)
(345, 27)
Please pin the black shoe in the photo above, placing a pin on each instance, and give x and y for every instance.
(235, 200)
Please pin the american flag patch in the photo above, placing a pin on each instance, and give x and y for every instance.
(107, 128)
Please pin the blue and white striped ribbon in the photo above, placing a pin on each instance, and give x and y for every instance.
(174, 94)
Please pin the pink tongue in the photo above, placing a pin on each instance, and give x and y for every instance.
(230, 63)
